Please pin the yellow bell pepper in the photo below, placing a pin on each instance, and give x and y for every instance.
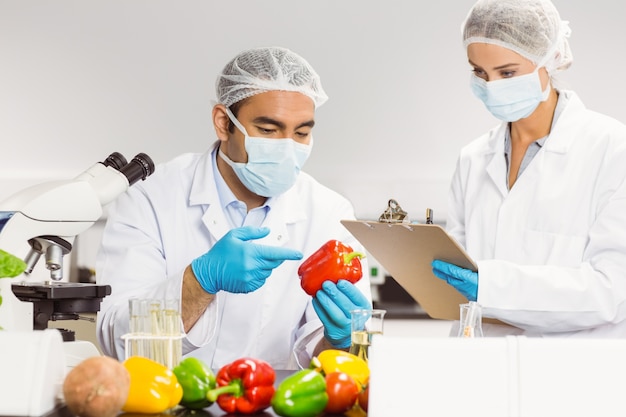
(333, 360)
(153, 387)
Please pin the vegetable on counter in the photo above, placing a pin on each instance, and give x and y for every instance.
(343, 392)
(364, 396)
(331, 262)
(334, 360)
(96, 387)
(302, 394)
(196, 379)
(245, 386)
(175, 413)
(153, 387)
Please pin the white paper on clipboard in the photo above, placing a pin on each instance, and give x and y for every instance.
(406, 251)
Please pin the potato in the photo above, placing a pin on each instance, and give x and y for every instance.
(96, 387)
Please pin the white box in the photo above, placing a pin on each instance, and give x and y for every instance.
(512, 376)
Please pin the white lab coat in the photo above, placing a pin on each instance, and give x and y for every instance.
(160, 225)
(551, 251)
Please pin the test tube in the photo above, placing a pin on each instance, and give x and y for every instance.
(156, 330)
(172, 329)
(138, 314)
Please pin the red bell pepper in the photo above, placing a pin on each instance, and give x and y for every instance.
(244, 386)
(332, 262)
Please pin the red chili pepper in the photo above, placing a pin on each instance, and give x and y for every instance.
(244, 386)
(332, 262)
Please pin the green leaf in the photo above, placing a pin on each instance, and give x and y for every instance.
(10, 266)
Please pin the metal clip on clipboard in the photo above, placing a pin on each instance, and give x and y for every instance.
(393, 213)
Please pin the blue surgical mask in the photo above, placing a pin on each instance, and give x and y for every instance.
(511, 99)
(273, 164)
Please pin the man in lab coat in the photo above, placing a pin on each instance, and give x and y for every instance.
(224, 231)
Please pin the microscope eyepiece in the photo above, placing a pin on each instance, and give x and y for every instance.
(139, 168)
(115, 160)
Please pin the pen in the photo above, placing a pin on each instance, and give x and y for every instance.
(429, 216)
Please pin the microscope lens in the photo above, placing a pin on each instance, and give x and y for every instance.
(115, 160)
(139, 168)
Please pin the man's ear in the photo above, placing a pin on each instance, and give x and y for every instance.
(221, 122)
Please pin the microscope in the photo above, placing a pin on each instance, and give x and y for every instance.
(43, 221)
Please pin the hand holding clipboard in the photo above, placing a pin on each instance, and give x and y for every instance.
(407, 250)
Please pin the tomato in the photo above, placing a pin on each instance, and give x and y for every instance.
(342, 392)
(364, 396)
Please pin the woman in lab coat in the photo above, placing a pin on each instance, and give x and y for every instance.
(224, 231)
(539, 201)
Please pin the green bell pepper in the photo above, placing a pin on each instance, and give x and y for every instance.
(197, 379)
(302, 394)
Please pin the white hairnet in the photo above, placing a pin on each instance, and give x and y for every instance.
(267, 69)
(532, 28)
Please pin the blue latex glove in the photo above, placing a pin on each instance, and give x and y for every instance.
(237, 265)
(464, 280)
(333, 304)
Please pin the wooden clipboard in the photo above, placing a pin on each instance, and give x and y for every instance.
(406, 251)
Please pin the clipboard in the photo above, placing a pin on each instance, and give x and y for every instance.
(406, 250)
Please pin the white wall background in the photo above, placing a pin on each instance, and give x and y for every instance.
(81, 79)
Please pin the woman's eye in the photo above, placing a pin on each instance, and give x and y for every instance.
(507, 74)
(479, 73)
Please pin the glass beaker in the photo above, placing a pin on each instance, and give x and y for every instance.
(364, 324)
(471, 320)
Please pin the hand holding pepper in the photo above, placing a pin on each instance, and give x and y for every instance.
(331, 262)
(333, 305)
